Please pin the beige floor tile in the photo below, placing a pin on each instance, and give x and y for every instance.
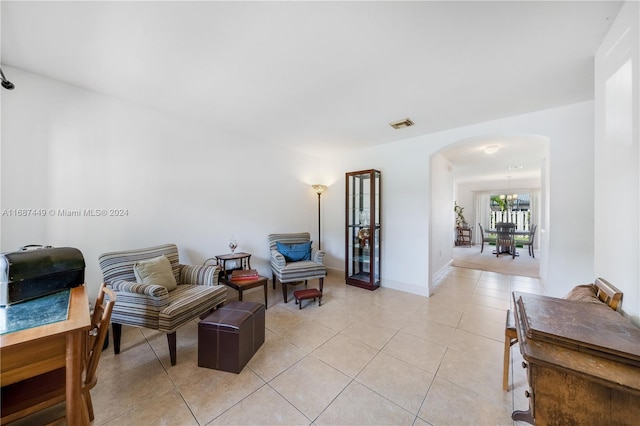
(466, 273)
(167, 408)
(484, 348)
(490, 291)
(134, 352)
(495, 276)
(263, 407)
(274, 356)
(397, 381)
(439, 311)
(210, 392)
(484, 321)
(468, 371)
(391, 342)
(416, 351)
(448, 404)
(308, 335)
(114, 396)
(345, 354)
(500, 284)
(501, 304)
(376, 337)
(430, 330)
(279, 319)
(358, 405)
(310, 385)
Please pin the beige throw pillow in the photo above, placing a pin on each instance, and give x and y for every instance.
(155, 271)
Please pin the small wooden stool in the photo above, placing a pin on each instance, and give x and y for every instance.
(308, 293)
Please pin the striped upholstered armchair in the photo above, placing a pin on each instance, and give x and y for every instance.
(142, 302)
(287, 268)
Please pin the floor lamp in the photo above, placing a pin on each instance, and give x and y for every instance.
(319, 190)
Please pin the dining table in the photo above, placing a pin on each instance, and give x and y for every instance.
(494, 232)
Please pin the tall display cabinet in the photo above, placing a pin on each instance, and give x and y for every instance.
(362, 243)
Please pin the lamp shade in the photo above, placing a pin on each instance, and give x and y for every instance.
(319, 188)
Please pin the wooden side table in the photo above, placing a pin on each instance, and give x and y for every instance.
(464, 237)
(244, 263)
(241, 285)
(222, 259)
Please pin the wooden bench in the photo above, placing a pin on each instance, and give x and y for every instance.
(601, 289)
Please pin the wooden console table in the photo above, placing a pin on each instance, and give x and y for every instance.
(464, 236)
(582, 361)
(33, 351)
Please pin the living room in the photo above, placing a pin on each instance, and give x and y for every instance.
(185, 178)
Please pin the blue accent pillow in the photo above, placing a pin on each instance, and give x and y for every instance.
(295, 252)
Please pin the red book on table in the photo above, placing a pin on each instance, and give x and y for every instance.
(244, 274)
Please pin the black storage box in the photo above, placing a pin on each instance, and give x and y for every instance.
(28, 274)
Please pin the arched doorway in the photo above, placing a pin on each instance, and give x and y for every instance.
(492, 163)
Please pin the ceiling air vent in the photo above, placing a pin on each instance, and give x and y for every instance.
(401, 124)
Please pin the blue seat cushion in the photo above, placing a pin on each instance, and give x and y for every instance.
(295, 252)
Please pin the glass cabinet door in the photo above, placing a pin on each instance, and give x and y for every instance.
(362, 246)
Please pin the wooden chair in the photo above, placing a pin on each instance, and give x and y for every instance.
(600, 290)
(505, 237)
(32, 395)
(485, 239)
(529, 242)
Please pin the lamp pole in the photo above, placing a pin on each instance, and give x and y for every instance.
(319, 190)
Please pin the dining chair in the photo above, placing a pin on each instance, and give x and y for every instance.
(529, 242)
(30, 396)
(505, 239)
(484, 239)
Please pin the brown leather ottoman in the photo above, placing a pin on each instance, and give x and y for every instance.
(229, 336)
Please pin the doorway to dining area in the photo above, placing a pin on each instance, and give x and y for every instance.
(471, 258)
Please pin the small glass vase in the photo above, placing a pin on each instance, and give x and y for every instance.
(233, 244)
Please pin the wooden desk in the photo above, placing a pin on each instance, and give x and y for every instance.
(28, 353)
(582, 361)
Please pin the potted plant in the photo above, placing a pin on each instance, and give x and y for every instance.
(461, 222)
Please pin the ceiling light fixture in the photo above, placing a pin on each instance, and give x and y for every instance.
(6, 83)
(491, 149)
(401, 124)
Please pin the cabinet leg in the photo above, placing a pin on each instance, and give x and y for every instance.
(523, 416)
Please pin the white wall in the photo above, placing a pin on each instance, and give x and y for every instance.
(179, 180)
(442, 217)
(566, 241)
(617, 167)
(194, 184)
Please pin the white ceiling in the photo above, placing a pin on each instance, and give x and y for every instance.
(319, 77)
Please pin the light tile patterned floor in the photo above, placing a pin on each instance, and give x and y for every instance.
(362, 358)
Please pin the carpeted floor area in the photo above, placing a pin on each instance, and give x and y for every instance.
(471, 258)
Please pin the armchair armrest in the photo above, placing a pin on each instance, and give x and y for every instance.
(277, 259)
(199, 274)
(144, 295)
(317, 256)
(151, 290)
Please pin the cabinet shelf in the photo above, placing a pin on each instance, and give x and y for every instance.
(363, 229)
